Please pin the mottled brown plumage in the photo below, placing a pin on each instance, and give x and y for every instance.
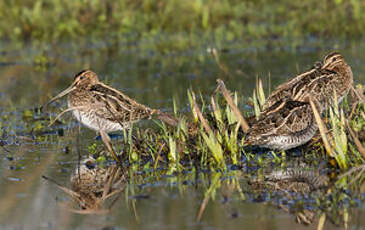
(287, 120)
(98, 105)
(290, 125)
(331, 75)
(93, 184)
(88, 177)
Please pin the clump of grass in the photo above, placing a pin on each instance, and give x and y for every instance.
(340, 141)
(336, 141)
(211, 139)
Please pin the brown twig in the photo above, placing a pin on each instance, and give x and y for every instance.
(159, 155)
(360, 97)
(109, 182)
(352, 113)
(221, 66)
(200, 115)
(322, 128)
(202, 208)
(236, 111)
(360, 168)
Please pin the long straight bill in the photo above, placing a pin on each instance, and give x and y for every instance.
(63, 93)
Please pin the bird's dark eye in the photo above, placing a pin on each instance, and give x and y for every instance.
(90, 165)
(82, 77)
(334, 59)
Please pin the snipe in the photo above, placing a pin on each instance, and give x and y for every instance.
(287, 120)
(331, 75)
(99, 106)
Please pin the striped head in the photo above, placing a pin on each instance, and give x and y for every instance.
(82, 81)
(85, 79)
(333, 61)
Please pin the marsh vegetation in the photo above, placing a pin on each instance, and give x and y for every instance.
(168, 55)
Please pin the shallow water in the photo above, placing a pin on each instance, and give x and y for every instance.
(31, 74)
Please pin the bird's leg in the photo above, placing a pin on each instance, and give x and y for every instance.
(63, 112)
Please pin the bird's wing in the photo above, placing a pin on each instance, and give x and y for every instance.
(286, 90)
(117, 106)
(287, 119)
(320, 87)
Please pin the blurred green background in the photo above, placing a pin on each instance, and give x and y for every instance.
(190, 21)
